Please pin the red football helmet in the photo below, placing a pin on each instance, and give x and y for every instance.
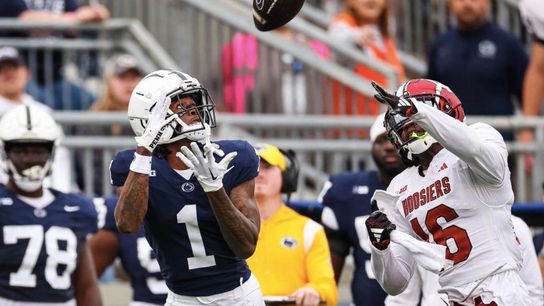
(432, 93)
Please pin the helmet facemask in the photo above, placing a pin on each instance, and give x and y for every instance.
(204, 108)
(31, 178)
(416, 144)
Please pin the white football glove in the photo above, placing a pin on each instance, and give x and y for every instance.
(208, 172)
(156, 122)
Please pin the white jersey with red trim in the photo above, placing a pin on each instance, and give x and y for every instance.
(462, 201)
(532, 12)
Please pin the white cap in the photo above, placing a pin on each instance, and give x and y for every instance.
(377, 127)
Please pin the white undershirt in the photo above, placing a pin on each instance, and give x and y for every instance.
(186, 174)
(46, 199)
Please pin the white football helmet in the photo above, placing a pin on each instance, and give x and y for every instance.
(23, 125)
(177, 85)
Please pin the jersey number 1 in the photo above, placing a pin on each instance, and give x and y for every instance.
(199, 259)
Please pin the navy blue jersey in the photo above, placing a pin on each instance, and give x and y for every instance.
(349, 200)
(14, 8)
(137, 257)
(484, 68)
(181, 227)
(39, 247)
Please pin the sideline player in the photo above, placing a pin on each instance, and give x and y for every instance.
(456, 193)
(44, 257)
(346, 198)
(195, 198)
(137, 257)
(292, 258)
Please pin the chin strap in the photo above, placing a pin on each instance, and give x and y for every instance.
(30, 179)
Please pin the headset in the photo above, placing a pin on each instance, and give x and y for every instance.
(290, 174)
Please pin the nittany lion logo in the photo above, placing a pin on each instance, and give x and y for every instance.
(289, 242)
(187, 187)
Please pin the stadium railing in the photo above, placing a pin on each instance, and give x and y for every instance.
(323, 144)
(83, 49)
(86, 55)
(414, 22)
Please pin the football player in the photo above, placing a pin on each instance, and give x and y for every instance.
(137, 257)
(346, 198)
(195, 198)
(425, 283)
(456, 193)
(44, 256)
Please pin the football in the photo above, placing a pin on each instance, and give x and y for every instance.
(272, 14)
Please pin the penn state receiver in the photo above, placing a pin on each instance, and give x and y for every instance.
(44, 258)
(137, 257)
(195, 198)
(456, 193)
(346, 199)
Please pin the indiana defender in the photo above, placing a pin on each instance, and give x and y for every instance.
(346, 198)
(195, 198)
(456, 193)
(137, 257)
(44, 256)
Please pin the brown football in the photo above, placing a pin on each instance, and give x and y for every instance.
(272, 14)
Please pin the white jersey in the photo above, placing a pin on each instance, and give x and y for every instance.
(530, 271)
(532, 12)
(463, 202)
(425, 283)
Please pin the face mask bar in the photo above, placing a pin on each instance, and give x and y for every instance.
(29, 179)
(204, 107)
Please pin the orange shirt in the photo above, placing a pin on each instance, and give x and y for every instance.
(386, 53)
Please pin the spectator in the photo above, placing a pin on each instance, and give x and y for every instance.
(121, 75)
(364, 24)
(346, 198)
(293, 79)
(137, 257)
(14, 76)
(239, 61)
(532, 12)
(482, 63)
(49, 73)
(292, 256)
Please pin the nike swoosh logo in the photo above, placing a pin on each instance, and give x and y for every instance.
(226, 171)
(71, 208)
